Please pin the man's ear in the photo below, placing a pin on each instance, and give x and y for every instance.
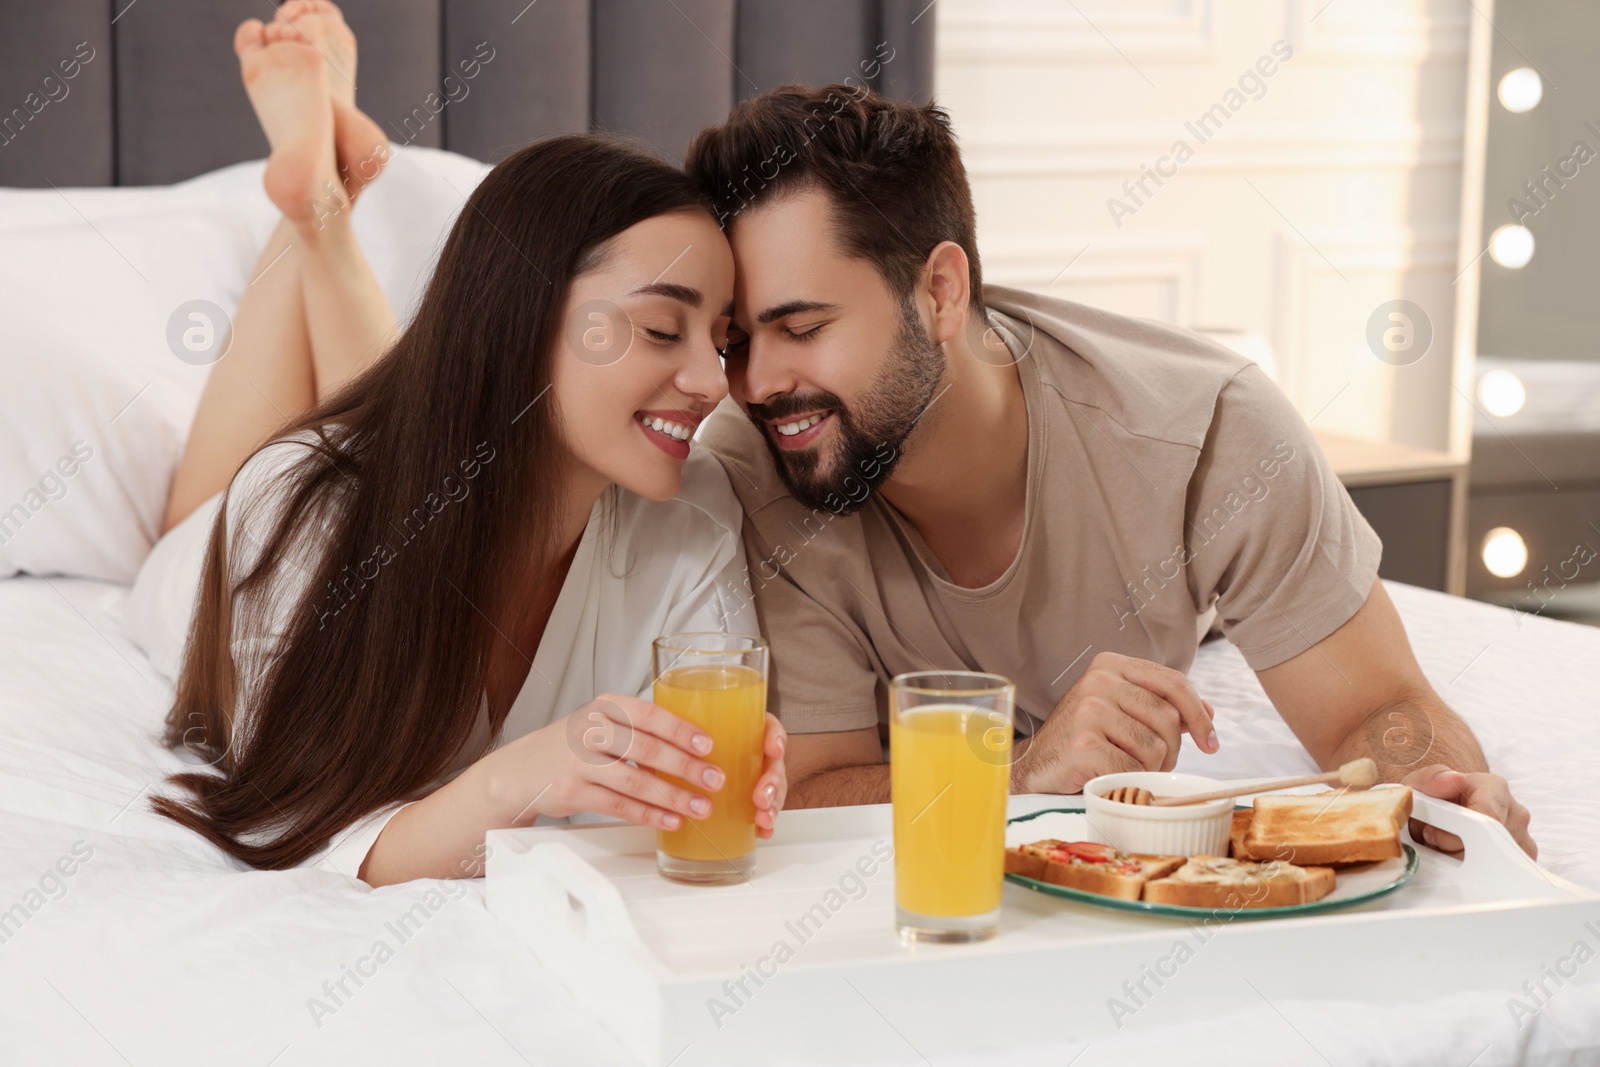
(949, 290)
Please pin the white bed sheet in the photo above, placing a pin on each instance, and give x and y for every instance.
(158, 950)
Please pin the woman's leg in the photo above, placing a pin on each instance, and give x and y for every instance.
(347, 314)
(313, 314)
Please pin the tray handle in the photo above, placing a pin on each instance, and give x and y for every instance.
(579, 903)
(1492, 860)
(577, 923)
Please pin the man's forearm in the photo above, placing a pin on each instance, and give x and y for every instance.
(865, 784)
(1404, 735)
(869, 783)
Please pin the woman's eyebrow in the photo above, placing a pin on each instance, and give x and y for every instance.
(672, 291)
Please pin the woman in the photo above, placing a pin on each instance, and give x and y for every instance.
(458, 536)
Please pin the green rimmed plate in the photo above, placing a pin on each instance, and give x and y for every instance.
(1354, 885)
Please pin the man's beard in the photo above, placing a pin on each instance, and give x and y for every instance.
(871, 433)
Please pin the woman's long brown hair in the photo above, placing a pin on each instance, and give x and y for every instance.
(372, 703)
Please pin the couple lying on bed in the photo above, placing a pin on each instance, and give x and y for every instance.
(406, 577)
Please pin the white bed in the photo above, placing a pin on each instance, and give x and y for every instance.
(124, 940)
(157, 949)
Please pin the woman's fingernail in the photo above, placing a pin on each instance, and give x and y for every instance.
(772, 795)
(1211, 739)
(713, 778)
(700, 806)
(671, 822)
(701, 743)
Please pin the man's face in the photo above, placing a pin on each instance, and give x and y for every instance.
(827, 361)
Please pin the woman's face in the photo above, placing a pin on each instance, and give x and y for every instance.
(638, 367)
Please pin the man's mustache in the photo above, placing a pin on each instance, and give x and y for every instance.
(794, 404)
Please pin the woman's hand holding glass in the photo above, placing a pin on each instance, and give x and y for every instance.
(600, 758)
(772, 788)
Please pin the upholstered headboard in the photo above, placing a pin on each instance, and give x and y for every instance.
(140, 92)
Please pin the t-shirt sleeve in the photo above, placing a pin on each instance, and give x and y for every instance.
(821, 677)
(1272, 537)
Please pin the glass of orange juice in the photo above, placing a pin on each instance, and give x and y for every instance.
(718, 682)
(950, 775)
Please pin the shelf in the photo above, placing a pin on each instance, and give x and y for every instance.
(1359, 462)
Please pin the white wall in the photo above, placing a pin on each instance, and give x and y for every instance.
(1336, 190)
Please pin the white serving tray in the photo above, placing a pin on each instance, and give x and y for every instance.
(659, 964)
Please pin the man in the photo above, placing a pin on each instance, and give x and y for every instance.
(939, 475)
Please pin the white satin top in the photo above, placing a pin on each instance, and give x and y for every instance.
(656, 567)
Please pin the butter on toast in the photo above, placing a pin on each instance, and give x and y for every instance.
(1218, 882)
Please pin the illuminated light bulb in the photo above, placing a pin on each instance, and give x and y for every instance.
(1504, 552)
(1511, 246)
(1501, 393)
(1521, 90)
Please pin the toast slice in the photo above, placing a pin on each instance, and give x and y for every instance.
(1089, 868)
(1337, 827)
(1218, 882)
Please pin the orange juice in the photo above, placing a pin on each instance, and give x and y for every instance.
(730, 704)
(949, 773)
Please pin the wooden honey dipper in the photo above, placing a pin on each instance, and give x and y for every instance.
(1357, 774)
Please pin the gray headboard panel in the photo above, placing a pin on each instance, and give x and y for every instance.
(140, 92)
(657, 71)
(56, 118)
(541, 89)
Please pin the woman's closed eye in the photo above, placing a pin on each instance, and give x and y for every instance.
(663, 337)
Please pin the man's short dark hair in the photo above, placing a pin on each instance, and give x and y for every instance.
(891, 168)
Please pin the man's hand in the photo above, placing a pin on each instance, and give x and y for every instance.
(1481, 791)
(1124, 714)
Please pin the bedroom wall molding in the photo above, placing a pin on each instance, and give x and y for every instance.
(1239, 147)
(1168, 265)
(1329, 256)
(1378, 31)
(1052, 33)
(1048, 31)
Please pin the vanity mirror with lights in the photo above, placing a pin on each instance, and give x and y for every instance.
(1533, 513)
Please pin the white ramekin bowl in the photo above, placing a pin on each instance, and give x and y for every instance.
(1189, 830)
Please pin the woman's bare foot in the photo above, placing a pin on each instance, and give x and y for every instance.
(359, 143)
(286, 81)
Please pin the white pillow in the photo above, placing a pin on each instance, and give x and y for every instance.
(94, 405)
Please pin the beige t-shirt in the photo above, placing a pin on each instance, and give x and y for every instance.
(1167, 476)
